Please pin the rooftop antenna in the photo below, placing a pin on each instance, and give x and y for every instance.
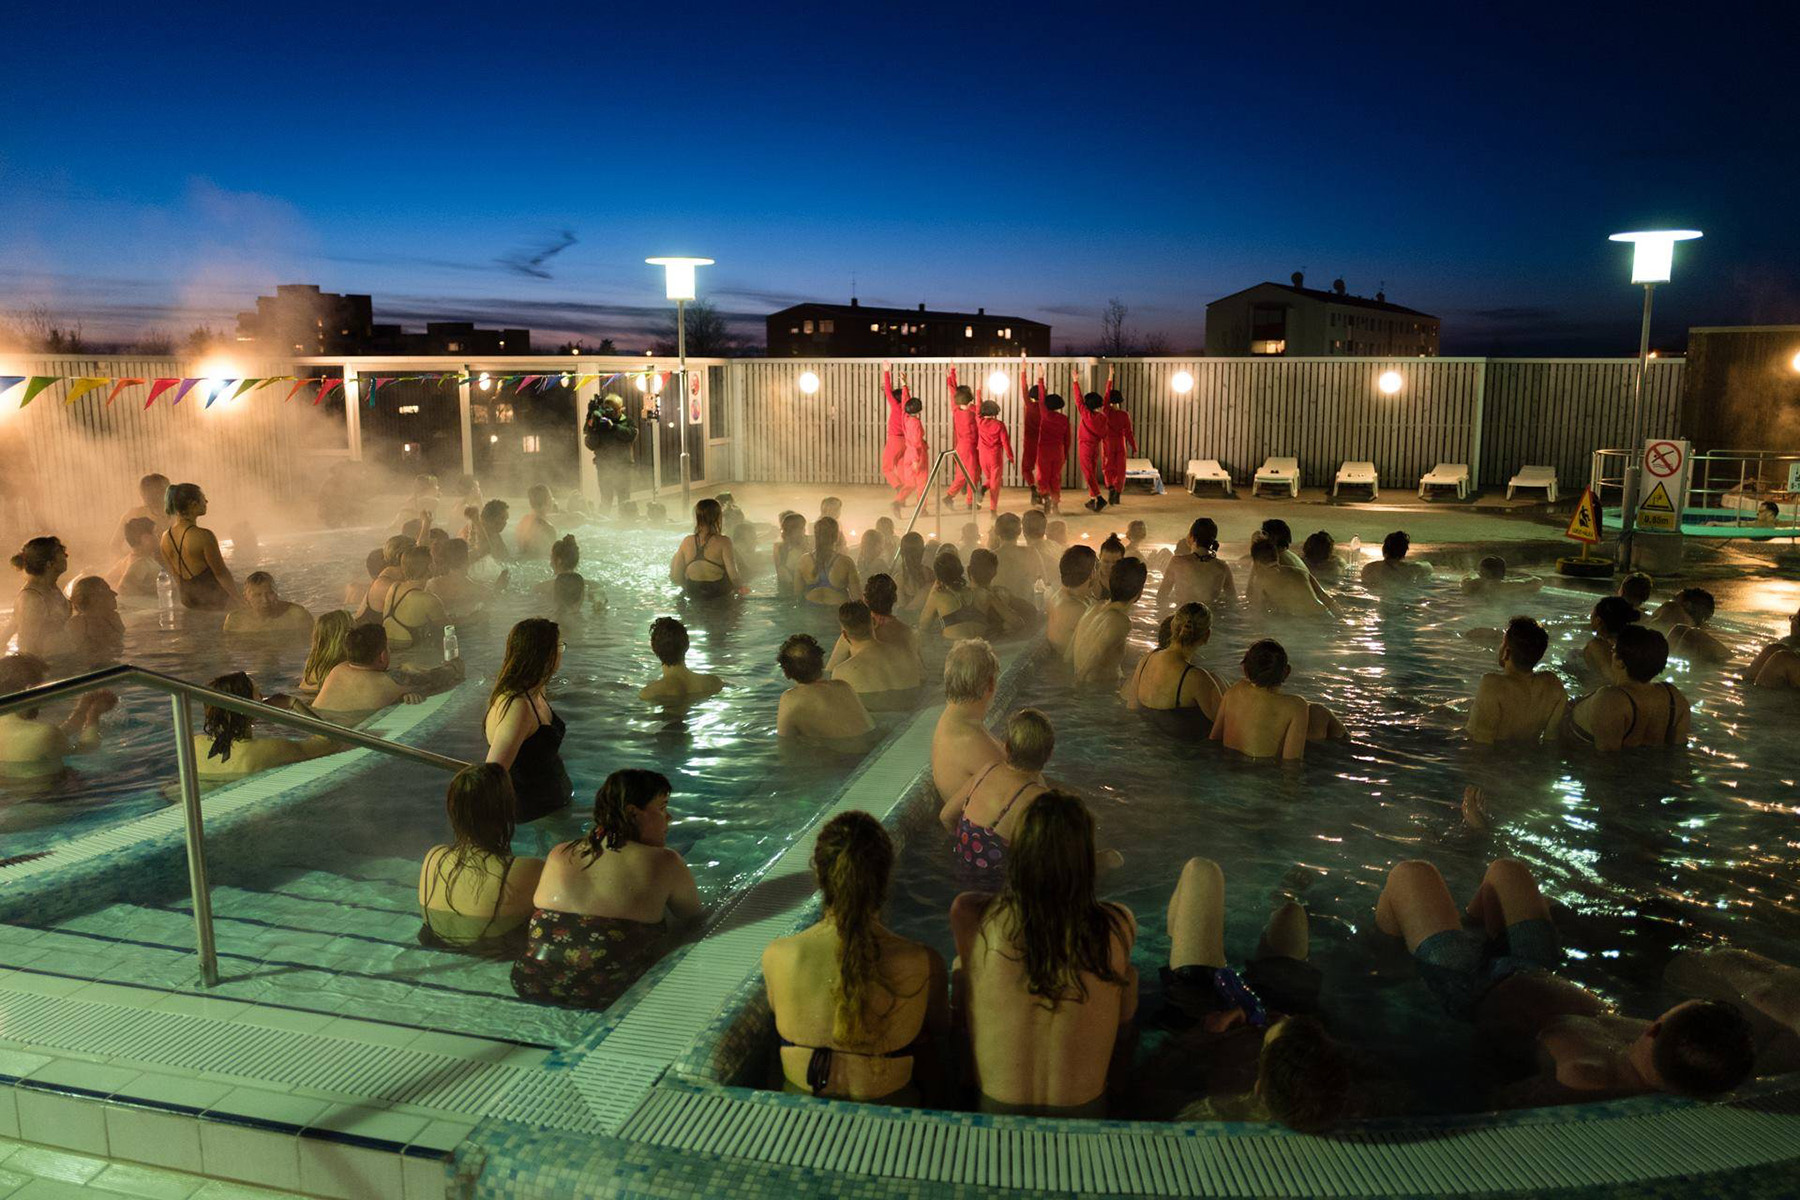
(853, 286)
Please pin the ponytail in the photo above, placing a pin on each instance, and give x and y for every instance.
(852, 859)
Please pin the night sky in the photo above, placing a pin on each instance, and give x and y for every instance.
(162, 165)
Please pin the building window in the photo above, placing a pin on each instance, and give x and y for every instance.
(410, 447)
(531, 443)
(968, 331)
(503, 414)
(827, 326)
(1269, 346)
(807, 325)
(874, 326)
(407, 410)
(455, 346)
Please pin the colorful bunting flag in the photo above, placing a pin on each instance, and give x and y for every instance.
(36, 384)
(244, 386)
(298, 384)
(8, 382)
(216, 392)
(325, 389)
(267, 380)
(119, 385)
(158, 388)
(81, 387)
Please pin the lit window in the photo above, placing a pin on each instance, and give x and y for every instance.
(406, 410)
(968, 331)
(455, 346)
(503, 345)
(827, 326)
(874, 326)
(410, 447)
(905, 329)
(531, 443)
(503, 414)
(808, 325)
(793, 329)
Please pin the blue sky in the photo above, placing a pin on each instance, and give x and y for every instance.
(163, 166)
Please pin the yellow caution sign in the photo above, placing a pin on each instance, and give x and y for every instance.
(1656, 512)
(1584, 526)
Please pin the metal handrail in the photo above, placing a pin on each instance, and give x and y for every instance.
(926, 493)
(181, 695)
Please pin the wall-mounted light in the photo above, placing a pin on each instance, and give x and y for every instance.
(1796, 361)
(809, 383)
(997, 384)
(1390, 383)
(1183, 383)
(484, 383)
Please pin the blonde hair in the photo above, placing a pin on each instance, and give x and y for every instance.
(1191, 625)
(1029, 740)
(969, 670)
(330, 646)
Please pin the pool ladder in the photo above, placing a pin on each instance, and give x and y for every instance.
(928, 492)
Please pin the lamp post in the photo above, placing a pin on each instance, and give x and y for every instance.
(1652, 255)
(678, 285)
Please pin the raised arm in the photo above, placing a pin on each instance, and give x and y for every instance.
(1109, 381)
(953, 381)
(887, 385)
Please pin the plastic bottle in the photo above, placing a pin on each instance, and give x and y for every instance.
(165, 600)
(1356, 545)
(452, 647)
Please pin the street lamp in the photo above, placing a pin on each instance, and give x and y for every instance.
(678, 285)
(1652, 257)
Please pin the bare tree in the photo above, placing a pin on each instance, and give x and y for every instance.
(35, 327)
(1152, 345)
(201, 339)
(605, 348)
(708, 336)
(1115, 339)
(157, 342)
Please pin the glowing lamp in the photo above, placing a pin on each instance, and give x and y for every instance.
(809, 383)
(1796, 361)
(1653, 252)
(1183, 383)
(678, 275)
(1390, 383)
(997, 384)
(643, 383)
(493, 438)
(484, 383)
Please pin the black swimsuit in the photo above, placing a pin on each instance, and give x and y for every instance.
(197, 591)
(541, 783)
(705, 589)
(1181, 718)
(1581, 735)
(390, 612)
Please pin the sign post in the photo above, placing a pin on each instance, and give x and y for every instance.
(1665, 474)
(1584, 527)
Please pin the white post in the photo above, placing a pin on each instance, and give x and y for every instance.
(681, 366)
(352, 414)
(1635, 448)
(464, 401)
(1480, 416)
(585, 471)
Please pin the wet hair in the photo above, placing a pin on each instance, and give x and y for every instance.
(259, 577)
(1703, 1049)
(375, 562)
(632, 787)
(1642, 651)
(1203, 535)
(1034, 523)
(538, 497)
(482, 811)
(1698, 601)
(35, 556)
(394, 547)
(668, 641)
(990, 408)
(1318, 547)
(912, 559)
(913, 407)
(969, 670)
(983, 566)
(886, 526)
(330, 646)
(1615, 613)
(801, 658)
(1126, 583)
(1165, 630)
(1491, 567)
(1265, 663)
(1190, 625)
(1303, 1076)
(1008, 525)
(180, 497)
(880, 593)
(1395, 545)
(1136, 531)
(495, 510)
(1262, 550)
(565, 554)
(1076, 566)
(1048, 909)
(366, 644)
(532, 647)
(139, 528)
(1277, 531)
(223, 725)
(1053, 402)
(1030, 739)
(1635, 587)
(1092, 401)
(947, 568)
(415, 563)
(855, 620)
(794, 524)
(1769, 506)
(21, 672)
(709, 519)
(456, 553)
(825, 539)
(1525, 641)
(89, 588)
(1113, 544)
(568, 589)
(853, 859)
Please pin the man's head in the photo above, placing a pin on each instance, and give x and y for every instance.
(1007, 525)
(367, 646)
(1136, 531)
(415, 564)
(856, 621)
(1302, 1075)
(1491, 567)
(1263, 552)
(153, 490)
(880, 593)
(92, 594)
(1126, 583)
(984, 564)
(801, 659)
(1614, 613)
(1076, 566)
(990, 409)
(456, 555)
(831, 507)
(1266, 663)
(1395, 545)
(1698, 1048)
(1635, 587)
(1035, 524)
(140, 534)
(259, 593)
(1524, 643)
(970, 670)
(1641, 652)
(1277, 531)
(1698, 602)
(1058, 532)
(669, 641)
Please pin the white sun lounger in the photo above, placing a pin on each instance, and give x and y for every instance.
(1142, 470)
(1206, 470)
(1450, 475)
(1277, 473)
(1534, 477)
(1358, 474)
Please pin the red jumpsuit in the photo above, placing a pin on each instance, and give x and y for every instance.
(915, 461)
(1033, 413)
(895, 446)
(1094, 425)
(964, 420)
(994, 442)
(1119, 434)
(1052, 456)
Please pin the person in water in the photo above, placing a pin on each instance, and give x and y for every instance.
(1168, 687)
(950, 602)
(1635, 589)
(486, 533)
(1078, 591)
(705, 565)
(361, 686)
(1006, 612)
(536, 534)
(1036, 528)
(1112, 551)
(1518, 703)
(816, 707)
(1766, 992)
(914, 579)
(414, 617)
(1631, 710)
(40, 615)
(1319, 554)
(1611, 615)
(984, 815)
(1045, 980)
(474, 895)
(227, 748)
(1491, 582)
(134, 575)
(462, 597)
(961, 745)
(202, 579)
(1501, 976)
(565, 557)
(1197, 575)
(153, 490)
(600, 915)
(330, 646)
(1392, 570)
(31, 747)
(790, 546)
(824, 574)
(95, 630)
(265, 611)
(1282, 590)
(523, 732)
(860, 1012)
(1681, 619)
(1256, 718)
(884, 675)
(1021, 567)
(393, 570)
(676, 684)
(1098, 647)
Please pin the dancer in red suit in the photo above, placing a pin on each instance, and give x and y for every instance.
(995, 441)
(1032, 398)
(1092, 435)
(1119, 434)
(915, 458)
(895, 447)
(1052, 452)
(962, 402)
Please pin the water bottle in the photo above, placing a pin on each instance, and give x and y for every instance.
(1356, 545)
(452, 647)
(1037, 590)
(165, 600)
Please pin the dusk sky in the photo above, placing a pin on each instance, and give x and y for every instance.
(160, 166)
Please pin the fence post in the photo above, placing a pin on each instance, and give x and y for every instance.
(1480, 417)
(352, 414)
(196, 839)
(465, 420)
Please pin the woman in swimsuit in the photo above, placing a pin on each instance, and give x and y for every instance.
(1168, 688)
(382, 584)
(952, 601)
(412, 615)
(1631, 710)
(825, 575)
(912, 576)
(1197, 573)
(524, 733)
(31, 747)
(705, 565)
(474, 896)
(41, 613)
(988, 809)
(789, 549)
(201, 576)
(1611, 615)
(856, 1007)
(226, 748)
(598, 920)
(330, 646)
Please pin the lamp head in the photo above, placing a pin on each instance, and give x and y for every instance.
(1653, 252)
(678, 275)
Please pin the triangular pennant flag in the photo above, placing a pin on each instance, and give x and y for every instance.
(81, 387)
(298, 384)
(216, 392)
(527, 381)
(36, 384)
(243, 386)
(119, 385)
(8, 382)
(268, 379)
(326, 386)
(187, 385)
(381, 383)
(158, 388)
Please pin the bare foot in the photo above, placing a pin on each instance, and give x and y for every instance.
(1474, 807)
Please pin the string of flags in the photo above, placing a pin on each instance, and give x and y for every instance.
(80, 386)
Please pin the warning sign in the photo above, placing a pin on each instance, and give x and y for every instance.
(1584, 526)
(1663, 459)
(1657, 512)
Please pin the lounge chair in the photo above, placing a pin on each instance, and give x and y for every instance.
(1447, 475)
(1357, 474)
(1142, 470)
(1206, 470)
(1277, 473)
(1534, 477)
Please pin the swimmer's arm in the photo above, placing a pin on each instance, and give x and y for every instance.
(731, 565)
(784, 717)
(852, 584)
(684, 894)
(1684, 725)
(1293, 743)
(510, 735)
(216, 560)
(1484, 716)
(953, 807)
(1129, 692)
(1610, 722)
(678, 562)
(1162, 591)
(937, 994)
(1554, 724)
(839, 653)
(1218, 729)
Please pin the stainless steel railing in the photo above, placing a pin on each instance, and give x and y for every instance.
(928, 492)
(1714, 476)
(181, 695)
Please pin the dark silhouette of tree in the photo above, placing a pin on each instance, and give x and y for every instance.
(708, 336)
